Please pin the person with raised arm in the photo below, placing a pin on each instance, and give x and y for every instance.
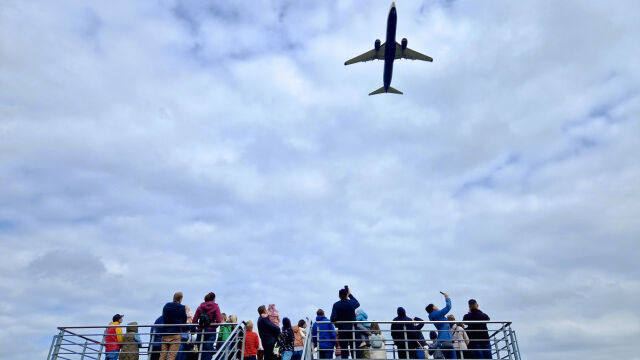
(445, 337)
(345, 310)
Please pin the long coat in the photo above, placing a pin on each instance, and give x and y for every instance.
(129, 348)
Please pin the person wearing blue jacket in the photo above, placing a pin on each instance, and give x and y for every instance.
(445, 336)
(323, 336)
(173, 313)
(345, 310)
(155, 343)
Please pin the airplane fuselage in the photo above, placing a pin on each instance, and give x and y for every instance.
(390, 47)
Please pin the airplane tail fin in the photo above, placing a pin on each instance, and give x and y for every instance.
(382, 90)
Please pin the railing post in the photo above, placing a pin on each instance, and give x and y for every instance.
(405, 344)
(514, 345)
(507, 344)
(101, 346)
(201, 348)
(56, 346)
(84, 350)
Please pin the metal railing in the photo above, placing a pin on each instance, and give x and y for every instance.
(411, 340)
(90, 342)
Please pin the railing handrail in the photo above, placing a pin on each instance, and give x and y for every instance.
(125, 325)
(417, 322)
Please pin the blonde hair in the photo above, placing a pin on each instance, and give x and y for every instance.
(233, 319)
(249, 325)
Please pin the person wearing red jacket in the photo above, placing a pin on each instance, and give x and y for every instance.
(208, 337)
(113, 338)
(251, 342)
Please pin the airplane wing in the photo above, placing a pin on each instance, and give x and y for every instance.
(368, 56)
(410, 54)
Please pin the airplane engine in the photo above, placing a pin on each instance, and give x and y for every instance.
(404, 43)
(376, 45)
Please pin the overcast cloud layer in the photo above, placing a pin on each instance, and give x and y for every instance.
(148, 147)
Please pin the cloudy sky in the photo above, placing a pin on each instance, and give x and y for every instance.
(154, 146)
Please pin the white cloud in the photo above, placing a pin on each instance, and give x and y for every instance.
(152, 147)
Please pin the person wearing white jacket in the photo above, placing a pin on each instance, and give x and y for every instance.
(460, 338)
(378, 348)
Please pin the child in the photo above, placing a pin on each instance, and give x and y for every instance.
(131, 343)
(363, 328)
(251, 342)
(274, 315)
(378, 350)
(434, 346)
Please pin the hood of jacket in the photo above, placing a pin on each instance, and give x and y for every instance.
(361, 314)
(132, 327)
(402, 312)
(321, 318)
(209, 306)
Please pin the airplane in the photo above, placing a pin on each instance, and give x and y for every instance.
(389, 53)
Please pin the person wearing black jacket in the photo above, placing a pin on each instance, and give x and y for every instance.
(268, 332)
(405, 335)
(479, 344)
(345, 310)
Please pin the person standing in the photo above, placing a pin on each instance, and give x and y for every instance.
(155, 341)
(207, 317)
(132, 343)
(378, 350)
(251, 342)
(460, 338)
(478, 333)
(286, 340)
(323, 336)
(113, 338)
(445, 338)
(268, 333)
(300, 334)
(173, 313)
(404, 335)
(345, 310)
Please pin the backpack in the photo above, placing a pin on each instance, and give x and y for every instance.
(204, 320)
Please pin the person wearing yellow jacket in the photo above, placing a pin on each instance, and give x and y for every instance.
(113, 338)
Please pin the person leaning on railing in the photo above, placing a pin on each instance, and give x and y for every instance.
(405, 336)
(444, 330)
(323, 336)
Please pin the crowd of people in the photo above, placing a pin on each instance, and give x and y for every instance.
(183, 335)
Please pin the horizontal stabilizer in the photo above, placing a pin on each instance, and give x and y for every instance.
(382, 90)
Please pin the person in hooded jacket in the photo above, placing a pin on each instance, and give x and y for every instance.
(405, 335)
(345, 310)
(207, 336)
(362, 335)
(286, 340)
(131, 344)
(323, 336)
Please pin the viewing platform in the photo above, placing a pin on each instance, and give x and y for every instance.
(408, 340)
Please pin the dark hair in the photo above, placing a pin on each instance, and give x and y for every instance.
(210, 297)
(262, 309)
(301, 323)
(343, 293)
(433, 335)
(286, 323)
(429, 308)
(320, 312)
(472, 301)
